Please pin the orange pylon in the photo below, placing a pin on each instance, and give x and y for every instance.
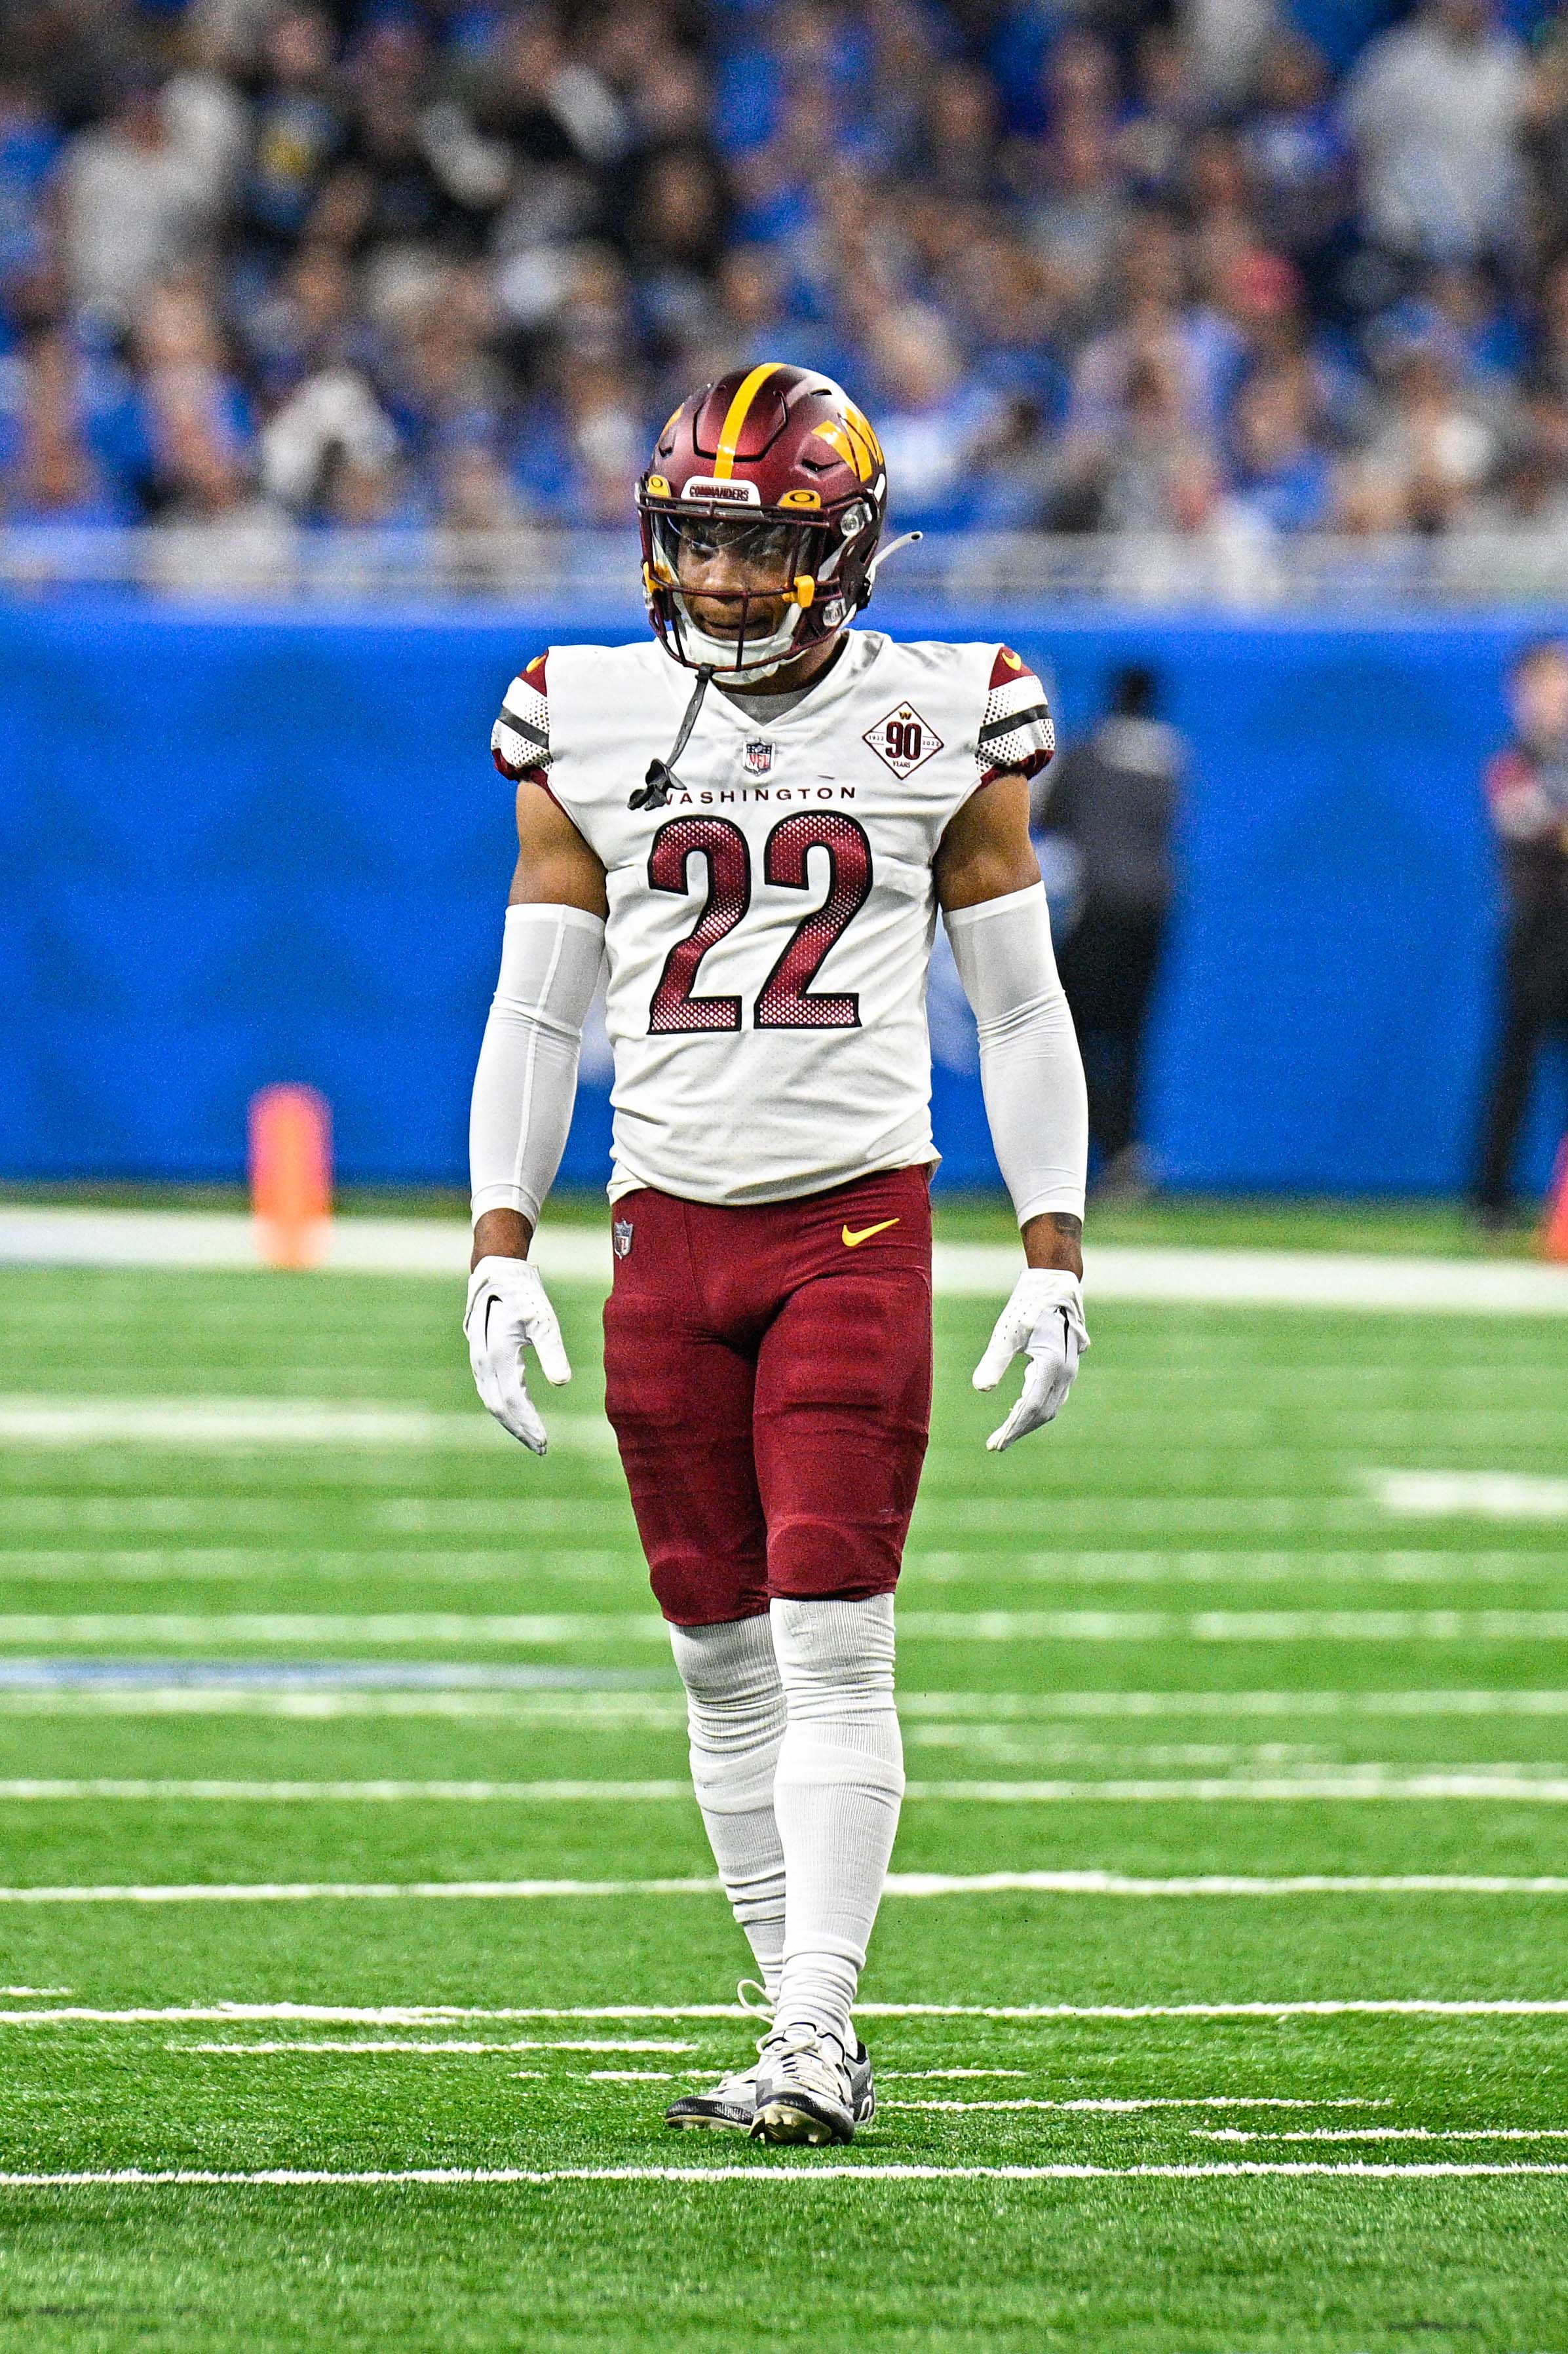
(291, 1175)
(1554, 1226)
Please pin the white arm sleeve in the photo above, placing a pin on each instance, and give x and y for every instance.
(1030, 1069)
(527, 1076)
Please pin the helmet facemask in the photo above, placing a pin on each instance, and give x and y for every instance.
(790, 600)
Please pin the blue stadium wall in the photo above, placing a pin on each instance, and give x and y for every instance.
(241, 845)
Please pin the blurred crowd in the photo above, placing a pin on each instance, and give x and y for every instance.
(1189, 267)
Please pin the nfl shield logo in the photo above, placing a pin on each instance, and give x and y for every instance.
(759, 758)
(621, 1235)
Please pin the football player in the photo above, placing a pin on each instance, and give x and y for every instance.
(748, 823)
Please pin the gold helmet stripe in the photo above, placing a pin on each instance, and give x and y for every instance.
(850, 447)
(735, 421)
(859, 423)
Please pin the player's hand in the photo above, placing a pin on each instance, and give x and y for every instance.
(1045, 1318)
(507, 1312)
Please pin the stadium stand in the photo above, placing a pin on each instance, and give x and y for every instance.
(385, 290)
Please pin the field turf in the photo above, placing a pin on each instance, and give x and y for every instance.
(1181, 1639)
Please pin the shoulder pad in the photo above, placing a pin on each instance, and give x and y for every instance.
(520, 739)
(1015, 729)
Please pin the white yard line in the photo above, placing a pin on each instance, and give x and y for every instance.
(48, 1419)
(1378, 1783)
(598, 1566)
(575, 1694)
(1124, 2108)
(216, 1700)
(314, 1627)
(1547, 1785)
(403, 2043)
(1470, 1495)
(917, 1884)
(813, 2173)
(443, 2014)
(206, 1793)
(1115, 1884)
(1169, 1423)
(305, 1562)
(1230, 1626)
(1128, 2107)
(1462, 1627)
(1061, 1749)
(125, 1686)
(327, 2014)
(1211, 1362)
(1302, 1565)
(1391, 2007)
(1301, 1278)
(89, 1419)
(1430, 1701)
(284, 1523)
(298, 1891)
(939, 1514)
(189, 1238)
(216, 1238)
(151, 1512)
(1387, 2133)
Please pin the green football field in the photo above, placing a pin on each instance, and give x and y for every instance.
(1272, 2055)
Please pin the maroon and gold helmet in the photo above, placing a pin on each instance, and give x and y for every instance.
(778, 465)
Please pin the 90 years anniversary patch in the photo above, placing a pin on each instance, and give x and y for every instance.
(904, 740)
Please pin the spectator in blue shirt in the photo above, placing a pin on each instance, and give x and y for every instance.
(1284, 475)
(933, 419)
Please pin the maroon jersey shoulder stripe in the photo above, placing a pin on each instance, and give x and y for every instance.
(1007, 669)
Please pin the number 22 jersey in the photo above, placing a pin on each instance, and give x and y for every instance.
(771, 925)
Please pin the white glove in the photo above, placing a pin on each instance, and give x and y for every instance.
(1045, 1318)
(507, 1312)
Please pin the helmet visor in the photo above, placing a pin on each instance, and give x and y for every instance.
(740, 553)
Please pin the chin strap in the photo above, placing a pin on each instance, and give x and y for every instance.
(905, 539)
(655, 791)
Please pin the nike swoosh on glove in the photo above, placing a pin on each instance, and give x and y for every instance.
(1045, 1317)
(507, 1312)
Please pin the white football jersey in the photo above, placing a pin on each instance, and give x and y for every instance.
(771, 925)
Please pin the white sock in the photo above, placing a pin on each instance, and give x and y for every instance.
(734, 1714)
(836, 1795)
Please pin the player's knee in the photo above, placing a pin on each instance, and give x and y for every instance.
(834, 1642)
(812, 1558)
(727, 1665)
(691, 1591)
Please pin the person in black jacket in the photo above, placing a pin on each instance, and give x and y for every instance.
(1527, 793)
(1110, 804)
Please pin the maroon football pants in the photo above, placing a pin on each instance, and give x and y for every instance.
(767, 1372)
